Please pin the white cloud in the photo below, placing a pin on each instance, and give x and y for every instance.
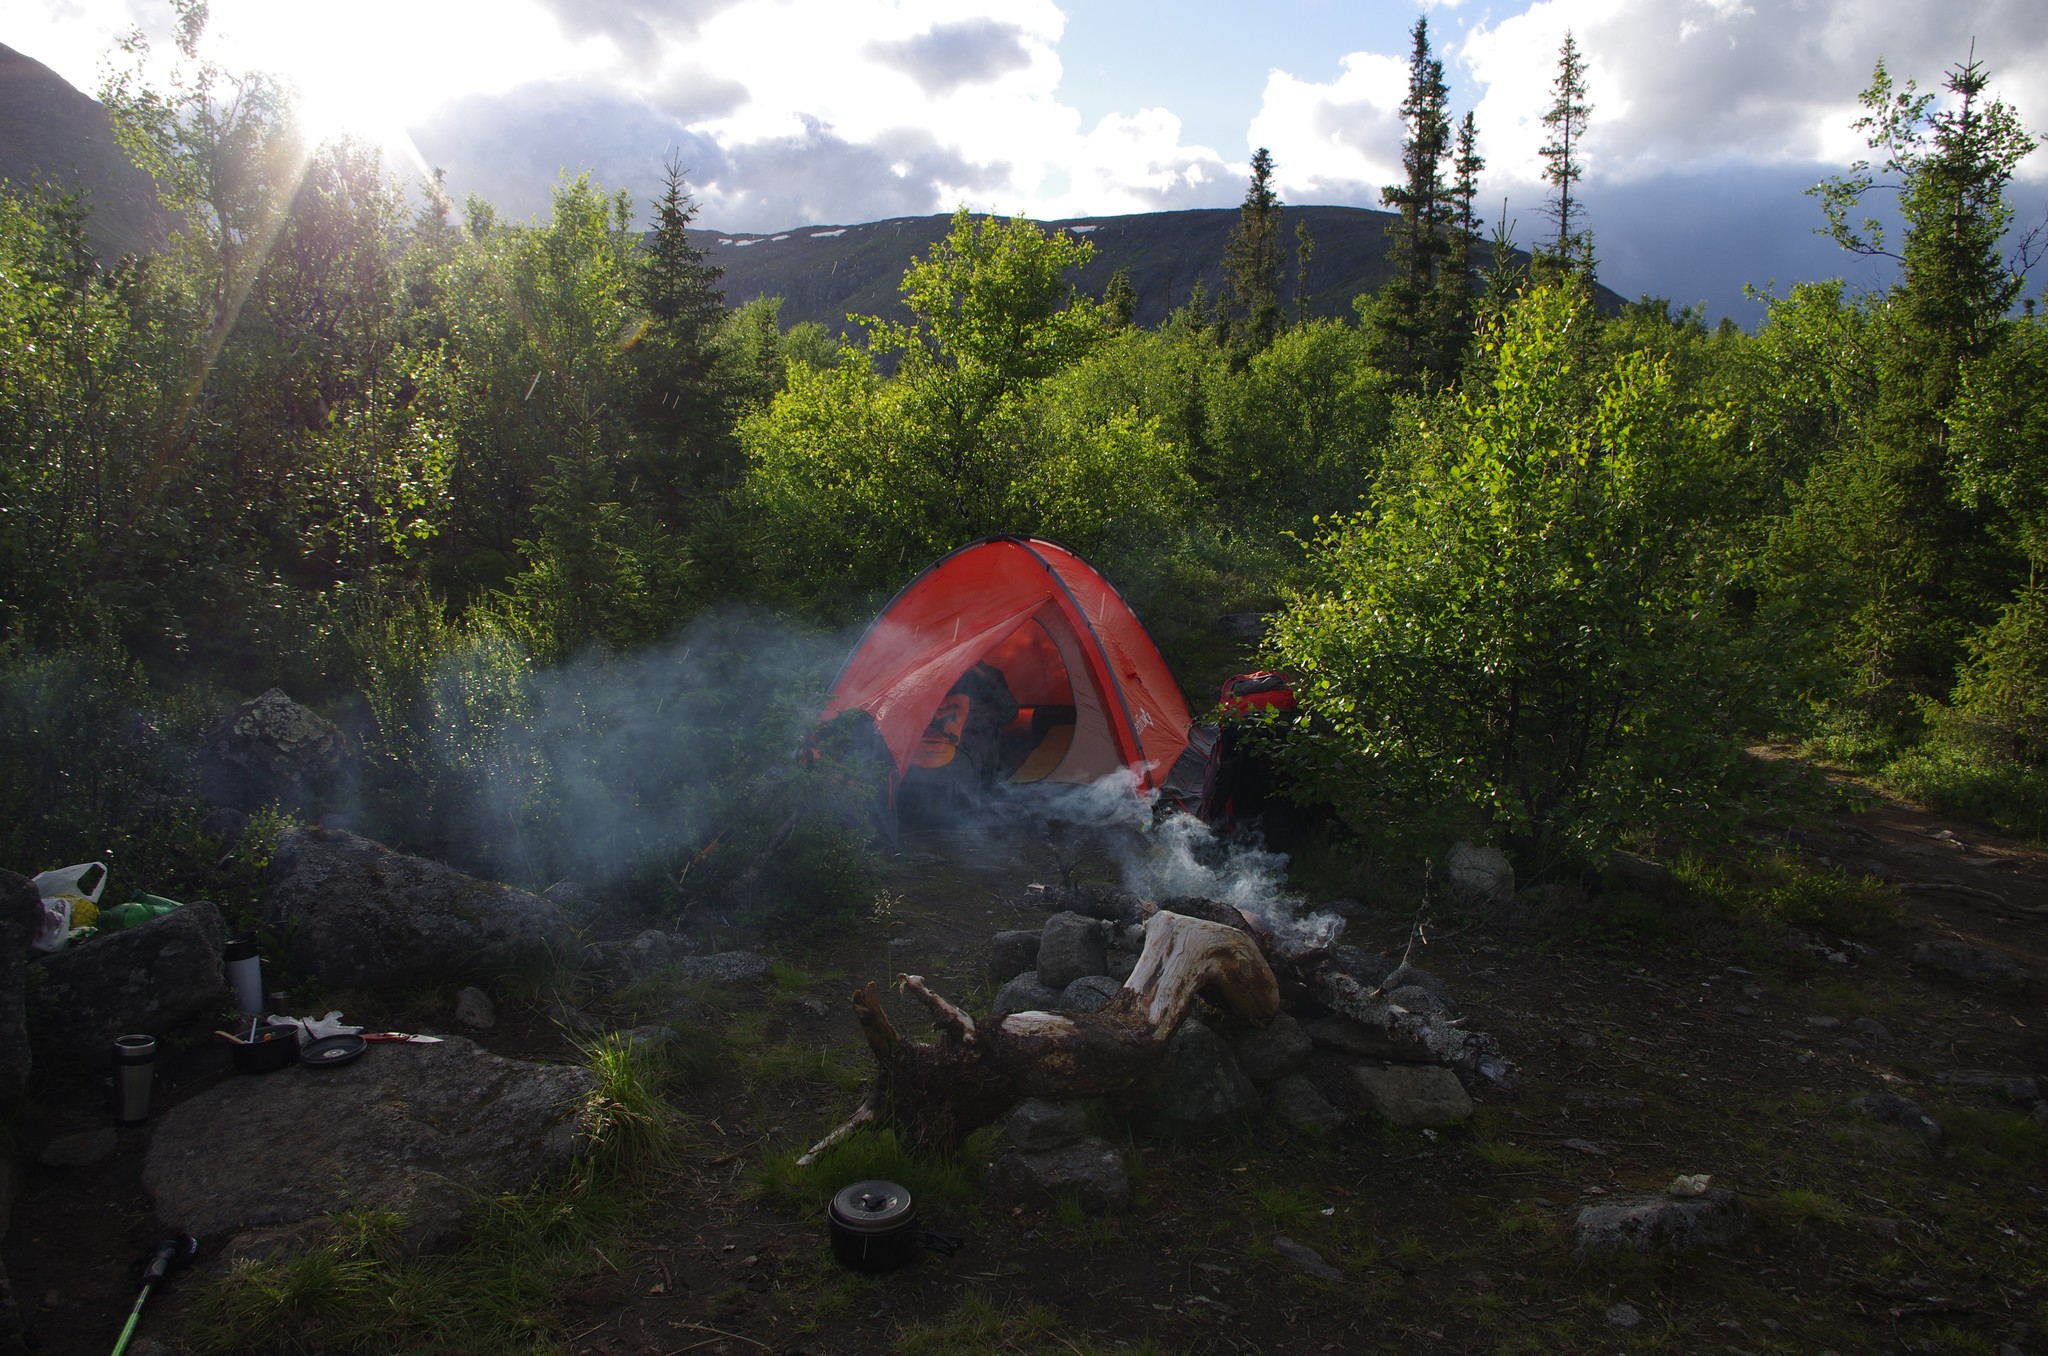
(1685, 84)
(1339, 141)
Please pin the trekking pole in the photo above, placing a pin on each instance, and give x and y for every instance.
(168, 1256)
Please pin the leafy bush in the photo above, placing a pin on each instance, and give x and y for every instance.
(1528, 627)
(100, 767)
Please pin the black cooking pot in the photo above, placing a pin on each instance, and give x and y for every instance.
(874, 1226)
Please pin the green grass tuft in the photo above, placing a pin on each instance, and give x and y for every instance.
(863, 1156)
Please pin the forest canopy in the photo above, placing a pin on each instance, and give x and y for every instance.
(1541, 571)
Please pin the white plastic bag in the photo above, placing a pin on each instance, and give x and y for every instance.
(61, 890)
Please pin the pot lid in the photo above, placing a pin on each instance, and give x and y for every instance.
(872, 1207)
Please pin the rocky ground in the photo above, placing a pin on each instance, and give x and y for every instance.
(1864, 1100)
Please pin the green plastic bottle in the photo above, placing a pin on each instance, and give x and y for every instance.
(135, 912)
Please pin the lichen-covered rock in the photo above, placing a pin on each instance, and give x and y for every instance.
(1415, 1095)
(149, 980)
(352, 911)
(1071, 946)
(20, 913)
(1663, 1223)
(1200, 1088)
(268, 749)
(1480, 874)
(423, 1129)
(1090, 1170)
(724, 967)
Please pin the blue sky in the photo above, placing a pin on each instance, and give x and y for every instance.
(1710, 116)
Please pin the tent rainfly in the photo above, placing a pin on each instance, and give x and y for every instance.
(1090, 693)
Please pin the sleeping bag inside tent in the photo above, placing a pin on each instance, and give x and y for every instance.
(1012, 660)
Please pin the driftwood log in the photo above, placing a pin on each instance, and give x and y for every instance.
(936, 1093)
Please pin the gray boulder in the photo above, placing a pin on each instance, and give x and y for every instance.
(2020, 1089)
(149, 979)
(1071, 946)
(1415, 1095)
(1976, 965)
(1903, 1113)
(647, 954)
(268, 749)
(1036, 1125)
(1201, 1089)
(21, 911)
(1089, 993)
(724, 967)
(1274, 1050)
(1479, 874)
(1638, 874)
(1663, 1223)
(1024, 994)
(423, 1129)
(475, 1010)
(1295, 1101)
(1352, 1037)
(1090, 1170)
(1367, 967)
(352, 911)
(1012, 952)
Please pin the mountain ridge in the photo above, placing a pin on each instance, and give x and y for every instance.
(54, 135)
(824, 271)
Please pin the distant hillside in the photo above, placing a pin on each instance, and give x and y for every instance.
(50, 133)
(824, 272)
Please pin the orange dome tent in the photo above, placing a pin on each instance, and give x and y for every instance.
(1078, 687)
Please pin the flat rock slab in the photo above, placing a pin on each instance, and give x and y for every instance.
(1663, 1223)
(1090, 1170)
(420, 1129)
(355, 912)
(1415, 1095)
(1977, 965)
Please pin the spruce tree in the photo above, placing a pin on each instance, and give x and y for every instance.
(1120, 299)
(678, 404)
(1250, 305)
(1453, 302)
(1918, 561)
(1406, 339)
(1304, 251)
(1571, 249)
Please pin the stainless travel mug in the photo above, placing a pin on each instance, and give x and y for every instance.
(245, 975)
(134, 1067)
